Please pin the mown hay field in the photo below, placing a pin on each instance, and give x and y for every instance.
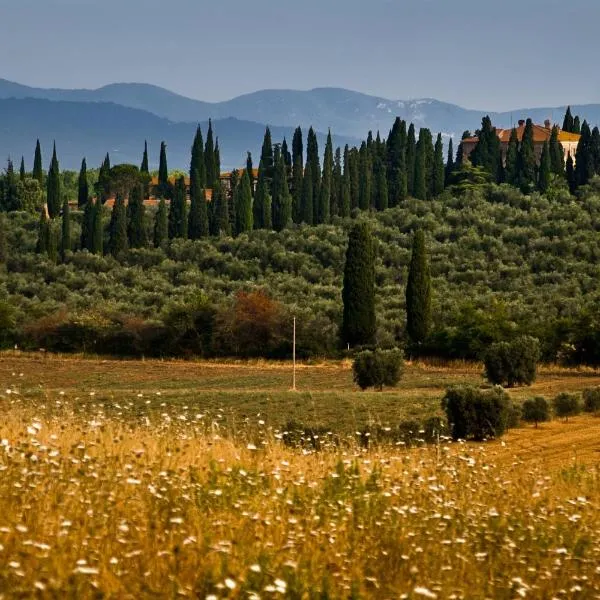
(122, 480)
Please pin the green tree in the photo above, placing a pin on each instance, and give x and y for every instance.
(536, 410)
(557, 153)
(568, 121)
(38, 172)
(83, 191)
(103, 183)
(198, 164)
(282, 201)
(358, 294)
(307, 211)
(198, 216)
(209, 159)
(145, 173)
(377, 368)
(250, 171)
(98, 229)
(449, 163)
(243, 209)
(164, 187)
(118, 243)
(544, 170)
(526, 160)
(217, 159)
(222, 223)
(396, 163)
(336, 183)
(22, 169)
(3, 244)
(365, 182)
(487, 152)
(297, 180)
(53, 193)
(324, 209)
(312, 158)
(570, 174)
(380, 185)
(420, 177)
(87, 226)
(418, 292)
(9, 190)
(43, 238)
(354, 173)
(345, 198)
(65, 243)
(178, 219)
(266, 158)
(439, 174)
(576, 125)
(584, 156)
(161, 225)
(512, 159)
(136, 230)
(411, 157)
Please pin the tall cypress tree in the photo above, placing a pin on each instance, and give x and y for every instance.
(266, 157)
(354, 173)
(178, 221)
(217, 160)
(209, 158)
(144, 165)
(584, 156)
(197, 162)
(298, 147)
(526, 160)
(198, 217)
(222, 224)
(439, 174)
(411, 157)
(286, 154)
(97, 229)
(396, 162)
(136, 230)
(243, 210)
(164, 187)
(53, 195)
(83, 190)
(324, 209)
(345, 201)
(22, 169)
(596, 149)
(336, 183)
(145, 173)
(87, 226)
(118, 243)
(234, 184)
(487, 152)
(103, 183)
(65, 243)
(3, 245)
(250, 171)
(307, 212)
(557, 153)
(570, 174)
(38, 172)
(365, 182)
(262, 209)
(512, 159)
(43, 233)
(576, 125)
(568, 121)
(358, 294)
(418, 292)
(282, 201)
(297, 179)
(9, 196)
(380, 189)
(544, 170)
(161, 225)
(312, 158)
(449, 163)
(420, 178)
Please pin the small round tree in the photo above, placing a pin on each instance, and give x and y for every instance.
(536, 410)
(566, 405)
(513, 363)
(376, 368)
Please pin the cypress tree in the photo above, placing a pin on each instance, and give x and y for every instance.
(358, 294)
(83, 192)
(136, 230)
(262, 208)
(198, 217)
(178, 220)
(396, 163)
(222, 223)
(418, 292)
(52, 242)
(596, 149)
(312, 158)
(10, 195)
(420, 178)
(449, 163)
(266, 157)
(307, 211)
(459, 151)
(354, 167)
(576, 125)
(526, 160)
(144, 165)
(161, 225)
(197, 163)
(297, 179)
(234, 184)
(345, 201)
(53, 195)
(164, 186)
(282, 201)
(98, 229)
(544, 170)
(584, 156)
(324, 209)
(439, 174)
(22, 169)
(336, 183)
(103, 183)
(512, 159)
(365, 182)
(568, 121)
(217, 160)
(570, 174)
(286, 155)
(87, 226)
(38, 172)
(298, 147)
(250, 171)
(209, 159)
(145, 173)
(66, 230)
(487, 152)
(380, 185)
(243, 210)
(411, 157)
(43, 233)
(118, 228)
(557, 154)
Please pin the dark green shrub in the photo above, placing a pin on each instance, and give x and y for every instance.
(536, 410)
(434, 429)
(566, 405)
(512, 363)
(476, 414)
(591, 400)
(376, 368)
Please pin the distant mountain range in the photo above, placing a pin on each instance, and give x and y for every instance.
(120, 116)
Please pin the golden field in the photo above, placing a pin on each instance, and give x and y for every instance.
(170, 480)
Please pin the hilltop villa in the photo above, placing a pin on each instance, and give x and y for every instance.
(541, 134)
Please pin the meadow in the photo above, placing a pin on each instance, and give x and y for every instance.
(147, 479)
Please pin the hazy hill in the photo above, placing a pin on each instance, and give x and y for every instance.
(92, 129)
(344, 111)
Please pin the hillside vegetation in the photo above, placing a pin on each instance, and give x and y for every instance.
(502, 263)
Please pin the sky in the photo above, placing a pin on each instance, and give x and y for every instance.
(484, 54)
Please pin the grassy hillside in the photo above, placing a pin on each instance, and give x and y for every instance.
(502, 263)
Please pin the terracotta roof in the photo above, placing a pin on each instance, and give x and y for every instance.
(227, 174)
(172, 180)
(541, 134)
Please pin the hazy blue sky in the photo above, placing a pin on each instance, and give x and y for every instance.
(487, 54)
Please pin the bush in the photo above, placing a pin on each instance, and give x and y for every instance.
(591, 400)
(536, 410)
(477, 414)
(566, 405)
(511, 363)
(376, 368)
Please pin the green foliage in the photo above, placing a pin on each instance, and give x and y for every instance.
(544, 169)
(38, 172)
(557, 155)
(261, 208)
(591, 400)
(282, 201)
(161, 225)
(164, 187)
(418, 292)
(198, 215)
(307, 211)
(98, 229)
(65, 242)
(566, 405)
(526, 160)
(178, 218)
(83, 192)
(487, 153)
(53, 193)
(477, 414)
(536, 410)
(243, 206)
(210, 165)
(358, 294)
(324, 207)
(197, 166)
(118, 242)
(136, 227)
(376, 368)
(512, 363)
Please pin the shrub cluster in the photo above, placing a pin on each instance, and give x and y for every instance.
(512, 363)
(566, 405)
(376, 368)
(536, 410)
(591, 400)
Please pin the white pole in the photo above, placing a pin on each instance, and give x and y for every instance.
(294, 357)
